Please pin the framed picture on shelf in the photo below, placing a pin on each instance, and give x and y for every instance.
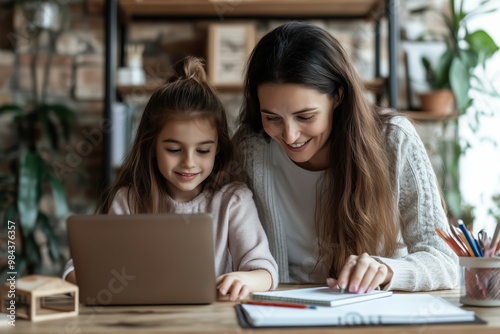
(229, 46)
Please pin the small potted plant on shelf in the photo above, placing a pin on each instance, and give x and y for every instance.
(452, 77)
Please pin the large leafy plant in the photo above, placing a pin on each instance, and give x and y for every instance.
(26, 175)
(466, 52)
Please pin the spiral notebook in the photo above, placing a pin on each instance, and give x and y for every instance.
(322, 296)
(398, 309)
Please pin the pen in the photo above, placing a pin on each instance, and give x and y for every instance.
(469, 239)
(464, 241)
(264, 303)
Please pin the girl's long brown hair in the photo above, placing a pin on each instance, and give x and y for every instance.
(356, 209)
(185, 94)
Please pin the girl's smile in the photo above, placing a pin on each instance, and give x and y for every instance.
(185, 153)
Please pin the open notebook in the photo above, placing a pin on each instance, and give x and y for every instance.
(322, 296)
(398, 309)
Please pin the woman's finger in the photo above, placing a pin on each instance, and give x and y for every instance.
(332, 283)
(370, 274)
(345, 273)
(358, 272)
(379, 278)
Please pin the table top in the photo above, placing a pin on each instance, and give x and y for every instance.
(220, 317)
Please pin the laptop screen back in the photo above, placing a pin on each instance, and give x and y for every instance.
(143, 259)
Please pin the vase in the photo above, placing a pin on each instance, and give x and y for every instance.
(438, 102)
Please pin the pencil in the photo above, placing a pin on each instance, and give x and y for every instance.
(456, 237)
(264, 303)
(451, 242)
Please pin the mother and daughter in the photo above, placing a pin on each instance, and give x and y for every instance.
(342, 192)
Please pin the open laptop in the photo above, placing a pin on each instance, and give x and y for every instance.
(143, 259)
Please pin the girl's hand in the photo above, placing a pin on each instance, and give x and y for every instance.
(233, 284)
(361, 274)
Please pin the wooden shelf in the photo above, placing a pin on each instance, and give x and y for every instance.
(260, 8)
(145, 89)
(425, 116)
(150, 87)
(374, 86)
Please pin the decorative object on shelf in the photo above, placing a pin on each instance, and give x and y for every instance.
(133, 73)
(229, 46)
(41, 129)
(438, 101)
(465, 52)
(416, 82)
(39, 298)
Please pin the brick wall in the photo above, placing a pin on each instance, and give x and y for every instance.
(76, 80)
(77, 74)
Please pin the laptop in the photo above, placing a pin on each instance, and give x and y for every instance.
(143, 259)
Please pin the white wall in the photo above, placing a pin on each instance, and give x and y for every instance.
(480, 167)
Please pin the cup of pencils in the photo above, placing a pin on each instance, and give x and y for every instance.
(479, 260)
(480, 281)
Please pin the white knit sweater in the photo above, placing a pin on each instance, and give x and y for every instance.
(424, 262)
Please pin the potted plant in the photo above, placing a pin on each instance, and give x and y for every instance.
(26, 175)
(466, 51)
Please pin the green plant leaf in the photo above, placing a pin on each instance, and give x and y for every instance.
(482, 43)
(59, 195)
(469, 58)
(442, 76)
(66, 116)
(13, 108)
(50, 130)
(52, 241)
(460, 83)
(28, 195)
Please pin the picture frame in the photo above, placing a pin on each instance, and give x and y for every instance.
(229, 46)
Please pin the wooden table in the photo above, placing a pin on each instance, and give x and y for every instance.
(220, 318)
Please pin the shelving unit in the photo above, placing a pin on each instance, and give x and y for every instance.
(130, 10)
(425, 116)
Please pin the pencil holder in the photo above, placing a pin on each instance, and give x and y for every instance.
(480, 281)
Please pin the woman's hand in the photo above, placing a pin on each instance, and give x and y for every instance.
(361, 274)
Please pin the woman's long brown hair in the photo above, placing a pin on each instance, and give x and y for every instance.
(186, 94)
(356, 209)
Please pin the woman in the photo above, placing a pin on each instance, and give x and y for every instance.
(345, 191)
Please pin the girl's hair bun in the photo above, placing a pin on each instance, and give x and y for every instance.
(190, 68)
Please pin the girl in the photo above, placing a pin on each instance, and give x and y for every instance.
(346, 190)
(182, 161)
